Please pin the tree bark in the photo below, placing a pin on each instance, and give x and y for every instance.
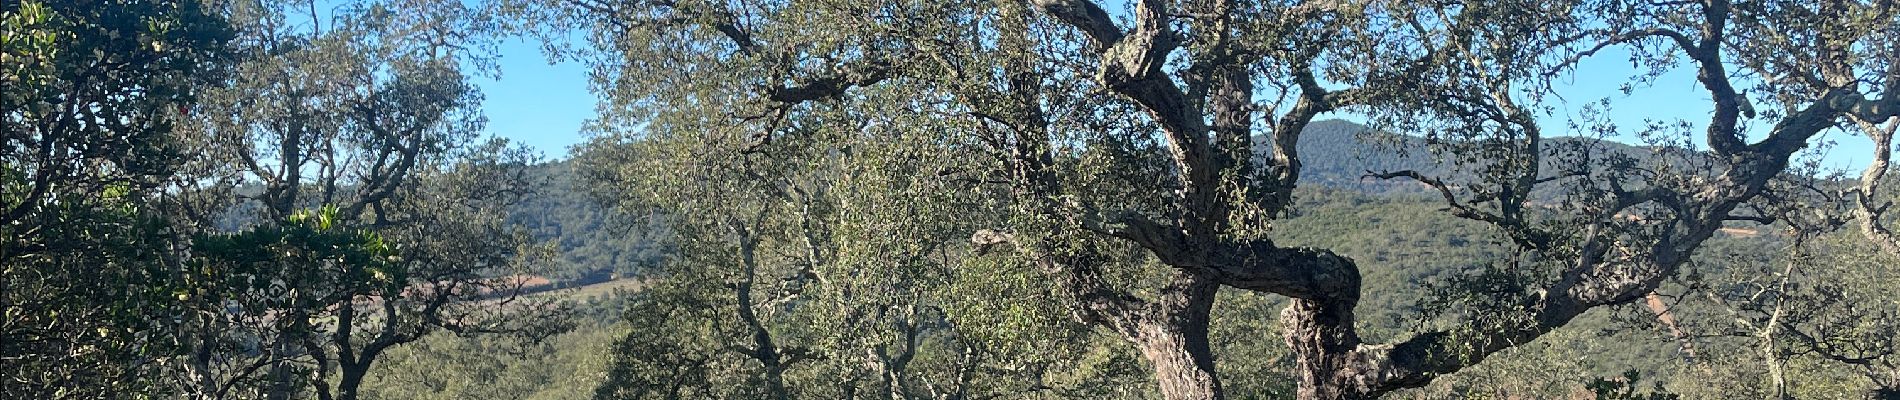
(1169, 329)
(1321, 337)
(352, 379)
(280, 376)
(1183, 363)
(1172, 335)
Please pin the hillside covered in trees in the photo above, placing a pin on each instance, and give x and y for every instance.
(1046, 199)
(594, 243)
(1409, 246)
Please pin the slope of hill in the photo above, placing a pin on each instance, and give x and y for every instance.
(594, 242)
(597, 244)
(1337, 154)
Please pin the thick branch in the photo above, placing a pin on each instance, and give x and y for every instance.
(1131, 66)
(1867, 208)
(1416, 361)
(1087, 17)
(1791, 134)
(1257, 265)
(1724, 135)
(864, 74)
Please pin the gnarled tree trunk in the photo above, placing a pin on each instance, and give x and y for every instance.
(1321, 337)
(1172, 335)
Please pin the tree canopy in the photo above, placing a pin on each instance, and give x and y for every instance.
(949, 200)
(1096, 131)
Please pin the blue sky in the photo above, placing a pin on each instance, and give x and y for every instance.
(537, 103)
(544, 105)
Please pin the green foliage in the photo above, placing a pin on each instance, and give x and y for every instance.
(677, 347)
(327, 216)
(302, 263)
(368, 113)
(84, 297)
(1771, 315)
(830, 265)
(255, 292)
(445, 366)
(88, 94)
(1254, 364)
(1624, 388)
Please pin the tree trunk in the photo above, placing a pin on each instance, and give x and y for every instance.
(1321, 337)
(1183, 363)
(1772, 357)
(352, 379)
(1172, 335)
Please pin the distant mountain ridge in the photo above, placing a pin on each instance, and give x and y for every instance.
(597, 244)
(1337, 154)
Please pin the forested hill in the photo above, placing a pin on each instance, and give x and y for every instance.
(1337, 154)
(597, 244)
(594, 243)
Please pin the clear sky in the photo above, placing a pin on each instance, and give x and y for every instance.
(537, 103)
(544, 105)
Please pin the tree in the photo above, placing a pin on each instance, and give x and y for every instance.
(1104, 137)
(448, 366)
(798, 274)
(1623, 226)
(1793, 307)
(260, 282)
(933, 49)
(88, 95)
(367, 113)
